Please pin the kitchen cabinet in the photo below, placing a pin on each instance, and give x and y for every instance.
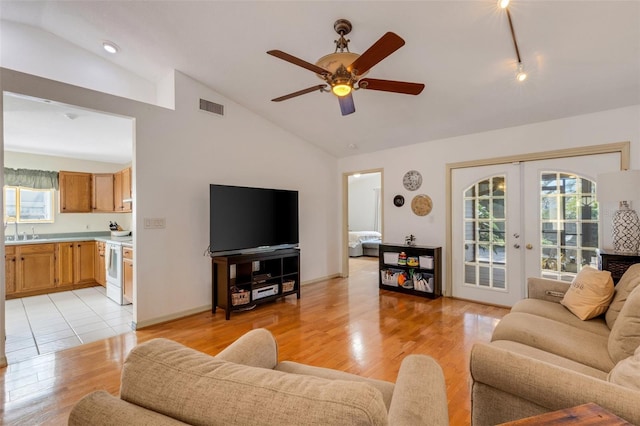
(10, 270)
(35, 268)
(127, 273)
(102, 197)
(75, 192)
(122, 190)
(76, 263)
(100, 267)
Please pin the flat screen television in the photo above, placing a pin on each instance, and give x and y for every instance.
(244, 219)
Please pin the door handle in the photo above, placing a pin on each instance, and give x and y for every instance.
(529, 246)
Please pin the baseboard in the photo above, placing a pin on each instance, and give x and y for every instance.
(317, 280)
(171, 317)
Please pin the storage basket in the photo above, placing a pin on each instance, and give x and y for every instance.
(390, 277)
(241, 298)
(423, 282)
(390, 258)
(426, 262)
(288, 286)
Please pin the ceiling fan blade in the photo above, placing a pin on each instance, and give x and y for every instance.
(391, 86)
(385, 46)
(297, 61)
(320, 87)
(346, 104)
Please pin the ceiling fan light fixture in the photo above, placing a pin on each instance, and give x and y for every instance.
(503, 3)
(521, 74)
(341, 89)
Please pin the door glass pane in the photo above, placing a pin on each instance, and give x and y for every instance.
(485, 233)
(568, 223)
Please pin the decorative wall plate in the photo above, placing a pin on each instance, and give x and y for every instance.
(421, 205)
(412, 180)
(398, 201)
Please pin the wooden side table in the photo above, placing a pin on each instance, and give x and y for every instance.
(616, 263)
(590, 414)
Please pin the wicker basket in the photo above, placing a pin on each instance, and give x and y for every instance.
(241, 298)
(288, 286)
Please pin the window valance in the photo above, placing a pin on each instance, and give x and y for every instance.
(36, 179)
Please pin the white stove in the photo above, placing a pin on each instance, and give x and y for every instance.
(113, 264)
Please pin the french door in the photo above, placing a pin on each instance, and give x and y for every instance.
(511, 221)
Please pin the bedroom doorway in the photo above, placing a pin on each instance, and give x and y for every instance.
(362, 218)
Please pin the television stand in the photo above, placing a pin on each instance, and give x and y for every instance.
(243, 281)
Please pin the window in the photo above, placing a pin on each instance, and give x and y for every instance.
(27, 205)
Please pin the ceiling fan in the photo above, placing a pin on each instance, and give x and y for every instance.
(343, 71)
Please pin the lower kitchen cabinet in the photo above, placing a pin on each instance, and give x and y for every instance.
(127, 273)
(10, 269)
(100, 268)
(36, 268)
(76, 263)
(33, 269)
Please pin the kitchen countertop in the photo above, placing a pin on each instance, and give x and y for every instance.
(77, 236)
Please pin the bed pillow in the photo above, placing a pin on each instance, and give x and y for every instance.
(589, 294)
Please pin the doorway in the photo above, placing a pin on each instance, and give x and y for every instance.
(517, 219)
(42, 135)
(362, 218)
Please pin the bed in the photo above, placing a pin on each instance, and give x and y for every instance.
(364, 243)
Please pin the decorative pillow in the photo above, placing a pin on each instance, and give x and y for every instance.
(625, 334)
(627, 372)
(630, 280)
(590, 293)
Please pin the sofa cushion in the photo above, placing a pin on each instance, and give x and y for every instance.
(196, 388)
(555, 311)
(627, 372)
(625, 334)
(589, 294)
(556, 337)
(629, 281)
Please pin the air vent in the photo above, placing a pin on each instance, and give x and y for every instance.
(211, 107)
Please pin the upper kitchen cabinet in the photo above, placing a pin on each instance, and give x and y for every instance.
(75, 192)
(103, 193)
(122, 190)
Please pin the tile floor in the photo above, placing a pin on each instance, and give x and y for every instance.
(53, 322)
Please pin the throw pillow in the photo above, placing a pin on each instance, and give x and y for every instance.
(627, 372)
(589, 294)
(625, 334)
(630, 280)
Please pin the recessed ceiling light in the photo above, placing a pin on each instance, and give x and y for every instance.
(110, 47)
(503, 3)
(353, 146)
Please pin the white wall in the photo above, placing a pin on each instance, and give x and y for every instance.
(362, 201)
(67, 222)
(177, 154)
(430, 159)
(33, 50)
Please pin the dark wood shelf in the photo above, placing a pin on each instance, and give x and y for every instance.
(616, 263)
(431, 272)
(239, 271)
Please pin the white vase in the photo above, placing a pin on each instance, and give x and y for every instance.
(626, 231)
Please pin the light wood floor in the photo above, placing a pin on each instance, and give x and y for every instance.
(346, 324)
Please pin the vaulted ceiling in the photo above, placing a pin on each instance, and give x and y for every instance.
(581, 56)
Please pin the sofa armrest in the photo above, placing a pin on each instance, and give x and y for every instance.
(546, 289)
(420, 394)
(257, 348)
(101, 408)
(548, 385)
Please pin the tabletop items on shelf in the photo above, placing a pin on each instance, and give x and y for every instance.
(410, 269)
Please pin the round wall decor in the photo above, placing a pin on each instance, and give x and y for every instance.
(421, 205)
(412, 180)
(398, 201)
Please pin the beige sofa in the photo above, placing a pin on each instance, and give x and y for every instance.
(543, 358)
(165, 383)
